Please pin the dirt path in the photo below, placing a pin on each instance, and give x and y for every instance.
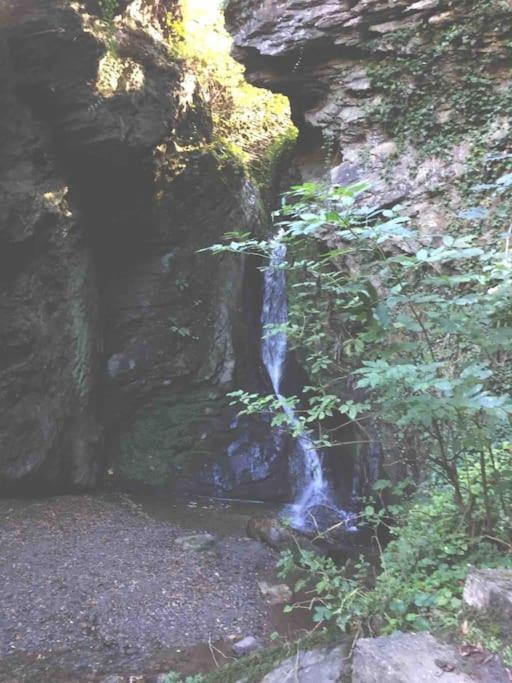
(91, 585)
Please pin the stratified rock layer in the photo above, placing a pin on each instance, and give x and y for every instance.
(405, 94)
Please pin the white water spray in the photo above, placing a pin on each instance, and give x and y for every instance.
(312, 488)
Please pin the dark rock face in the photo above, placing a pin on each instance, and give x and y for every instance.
(50, 333)
(118, 337)
(174, 340)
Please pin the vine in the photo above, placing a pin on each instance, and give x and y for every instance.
(420, 101)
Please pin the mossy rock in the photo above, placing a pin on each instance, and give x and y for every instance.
(164, 435)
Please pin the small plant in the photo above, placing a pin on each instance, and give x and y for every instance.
(422, 572)
(108, 9)
(174, 677)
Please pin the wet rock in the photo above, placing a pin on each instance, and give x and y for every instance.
(403, 658)
(246, 646)
(327, 665)
(278, 594)
(490, 591)
(272, 532)
(197, 542)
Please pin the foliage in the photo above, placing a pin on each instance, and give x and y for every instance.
(422, 572)
(249, 119)
(173, 677)
(108, 9)
(413, 334)
(420, 331)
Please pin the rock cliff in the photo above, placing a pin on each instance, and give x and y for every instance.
(410, 95)
(117, 336)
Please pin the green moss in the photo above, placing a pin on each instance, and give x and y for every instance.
(265, 169)
(163, 436)
(81, 327)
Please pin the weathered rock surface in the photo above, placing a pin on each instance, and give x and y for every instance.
(246, 646)
(277, 594)
(326, 664)
(490, 591)
(372, 84)
(197, 542)
(50, 335)
(403, 658)
(117, 335)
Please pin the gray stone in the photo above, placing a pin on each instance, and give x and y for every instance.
(424, 5)
(490, 591)
(418, 658)
(272, 532)
(246, 646)
(325, 665)
(278, 594)
(197, 542)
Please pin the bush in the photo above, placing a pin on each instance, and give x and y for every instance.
(417, 582)
(413, 333)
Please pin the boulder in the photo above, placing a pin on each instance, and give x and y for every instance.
(324, 665)
(490, 591)
(271, 531)
(197, 542)
(278, 594)
(246, 646)
(274, 533)
(420, 658)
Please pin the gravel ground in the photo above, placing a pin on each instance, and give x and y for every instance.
(100, 579)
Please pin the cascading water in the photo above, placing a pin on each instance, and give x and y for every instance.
(312, 490)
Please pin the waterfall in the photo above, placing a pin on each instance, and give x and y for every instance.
(312, 490)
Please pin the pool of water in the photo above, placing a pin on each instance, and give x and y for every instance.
(213, 515)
